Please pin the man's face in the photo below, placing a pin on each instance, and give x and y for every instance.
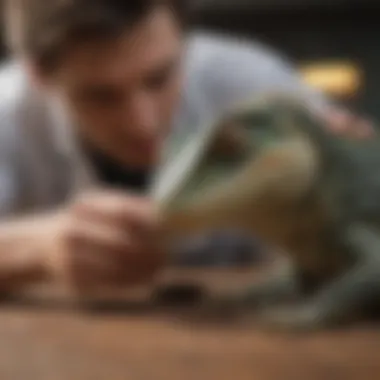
(121, 94)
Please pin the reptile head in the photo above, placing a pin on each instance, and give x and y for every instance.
(255, 155)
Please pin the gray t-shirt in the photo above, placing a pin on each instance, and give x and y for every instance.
(40, 162)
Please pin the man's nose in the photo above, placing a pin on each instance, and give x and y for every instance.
(141, 115)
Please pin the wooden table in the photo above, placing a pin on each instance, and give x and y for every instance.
(64, 344)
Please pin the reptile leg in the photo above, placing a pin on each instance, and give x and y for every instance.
(281, 285)
(344, 299)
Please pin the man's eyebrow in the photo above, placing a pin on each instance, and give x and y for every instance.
(95, 89)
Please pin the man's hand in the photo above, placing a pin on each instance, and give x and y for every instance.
(345, 123)
(103, 241)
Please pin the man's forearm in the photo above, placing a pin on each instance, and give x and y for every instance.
(21, 253)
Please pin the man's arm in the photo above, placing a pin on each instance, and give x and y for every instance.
(85, 243)
(89, 245)
(21, 256)
(20, 238)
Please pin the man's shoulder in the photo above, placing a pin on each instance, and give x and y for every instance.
(20, 103)
(221, 69)
(225, 67)
(36, 169)
(14, 95)
(12, 99)
(13, 83)
(208, 48)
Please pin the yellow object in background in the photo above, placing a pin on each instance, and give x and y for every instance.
(338, 79)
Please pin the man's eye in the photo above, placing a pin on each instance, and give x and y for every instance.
(105, 97)
(157, 80)
(102, 97)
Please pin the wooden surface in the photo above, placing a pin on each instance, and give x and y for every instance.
(59, 343)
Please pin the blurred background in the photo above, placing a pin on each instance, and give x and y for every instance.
(335, 43)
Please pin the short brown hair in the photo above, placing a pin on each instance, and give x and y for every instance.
(42, 29)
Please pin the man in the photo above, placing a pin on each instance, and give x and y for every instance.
(94, 90)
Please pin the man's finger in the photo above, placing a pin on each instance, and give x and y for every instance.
(119, 208)
(364, 129)
(338, 120)
(85, 232)
(345, 123)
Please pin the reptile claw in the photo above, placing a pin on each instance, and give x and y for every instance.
(302, 319)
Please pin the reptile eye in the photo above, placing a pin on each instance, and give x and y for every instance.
(230, 142)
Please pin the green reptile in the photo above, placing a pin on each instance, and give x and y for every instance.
(271, 167)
